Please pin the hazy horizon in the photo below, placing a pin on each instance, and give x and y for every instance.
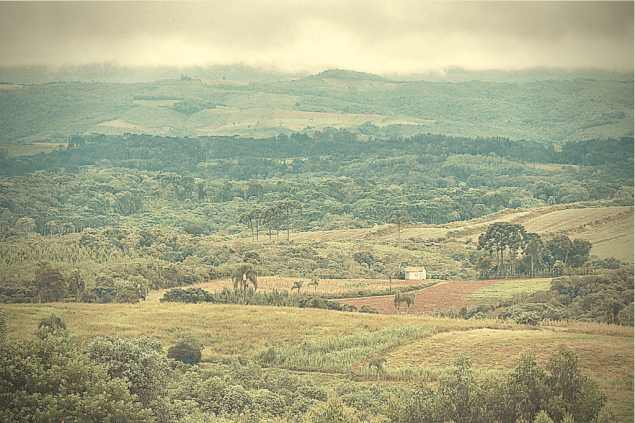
(382, 37)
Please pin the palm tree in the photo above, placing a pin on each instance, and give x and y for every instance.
(315, 282)
(297, 285)
(242, 275)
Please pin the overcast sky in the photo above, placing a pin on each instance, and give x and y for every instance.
(381, 36)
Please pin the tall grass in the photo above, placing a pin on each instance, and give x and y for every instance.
(339, 353)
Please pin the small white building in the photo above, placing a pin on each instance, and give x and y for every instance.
(415, 273)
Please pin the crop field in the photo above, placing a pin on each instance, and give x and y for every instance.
(442, 296)
(574, 218)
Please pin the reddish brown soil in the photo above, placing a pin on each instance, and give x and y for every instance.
(442, 296)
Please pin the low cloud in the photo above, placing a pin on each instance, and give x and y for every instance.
(374, 36)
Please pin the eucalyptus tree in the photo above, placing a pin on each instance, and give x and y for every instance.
(287, 209)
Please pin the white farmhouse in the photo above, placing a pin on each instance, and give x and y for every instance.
(415, 273)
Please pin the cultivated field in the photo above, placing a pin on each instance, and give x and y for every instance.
(442, 296)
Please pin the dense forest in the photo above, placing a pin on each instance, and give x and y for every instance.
(97, 180)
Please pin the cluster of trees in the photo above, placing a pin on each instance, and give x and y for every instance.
(273, 218)
(49, 378)
(53, 285)
(607, 298)
(512, 251)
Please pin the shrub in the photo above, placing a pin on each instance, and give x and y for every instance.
(332, 411)
(528, 318)
(52, 323)
(368, 309)
(187, 350)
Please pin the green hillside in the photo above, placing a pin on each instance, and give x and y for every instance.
(551, 111)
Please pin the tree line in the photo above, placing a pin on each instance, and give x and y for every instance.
(510, 251)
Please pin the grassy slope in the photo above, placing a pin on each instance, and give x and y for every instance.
(227, 330)
(609, 228)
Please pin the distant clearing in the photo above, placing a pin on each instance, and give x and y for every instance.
(120, 123)
(19, 150)
(325, 286)
(223, 82)
(255, 118)
(610, 229)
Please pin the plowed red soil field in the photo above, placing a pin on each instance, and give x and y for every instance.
(442, 296)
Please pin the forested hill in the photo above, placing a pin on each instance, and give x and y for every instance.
(206, 104)
(340, 179)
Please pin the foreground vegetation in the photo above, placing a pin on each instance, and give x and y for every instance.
(363, 378)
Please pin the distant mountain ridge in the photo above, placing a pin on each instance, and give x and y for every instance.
(248, 102)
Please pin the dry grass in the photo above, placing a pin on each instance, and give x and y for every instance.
(590, 328)
(605, 352)
(224, 329)
(600, 356)
(19, 150)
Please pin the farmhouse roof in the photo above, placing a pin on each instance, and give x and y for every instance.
(415, 269)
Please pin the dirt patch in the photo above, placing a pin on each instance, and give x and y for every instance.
(359, 118)
(440, 297)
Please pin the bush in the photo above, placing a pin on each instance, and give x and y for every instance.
(528, 318)
(59, 383)
(368, 309)
(187, 350)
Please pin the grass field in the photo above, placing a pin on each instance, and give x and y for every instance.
(507, 288)
(18, 150)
